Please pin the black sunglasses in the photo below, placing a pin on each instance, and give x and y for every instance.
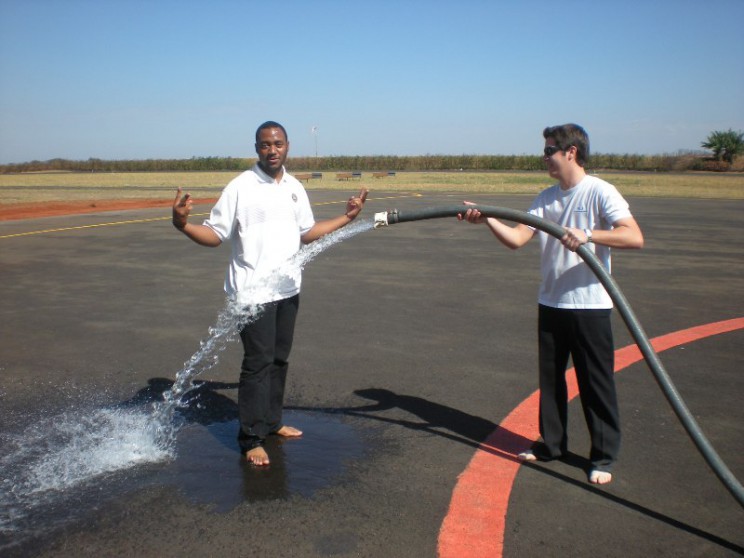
(551, 150)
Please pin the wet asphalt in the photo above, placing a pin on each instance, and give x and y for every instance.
(413, 343)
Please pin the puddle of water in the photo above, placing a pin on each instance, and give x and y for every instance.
(210, 470)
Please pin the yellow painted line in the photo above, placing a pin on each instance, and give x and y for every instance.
(135, 221)
(80, 227)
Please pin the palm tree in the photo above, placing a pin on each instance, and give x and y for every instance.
(725, 145)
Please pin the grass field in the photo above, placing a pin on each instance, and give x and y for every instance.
(47, 187)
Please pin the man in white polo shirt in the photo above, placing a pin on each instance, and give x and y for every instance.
(266, 214)
(574, 308)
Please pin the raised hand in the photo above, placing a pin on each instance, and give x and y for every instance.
(181, 209)
(355, 204)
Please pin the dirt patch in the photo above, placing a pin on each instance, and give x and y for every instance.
(17, 211)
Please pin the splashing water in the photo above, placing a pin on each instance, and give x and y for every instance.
(40, 465)
(236, 314)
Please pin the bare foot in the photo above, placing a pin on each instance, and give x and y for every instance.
(289, 432)
(600, 477)
(528, 455)
(257, 456)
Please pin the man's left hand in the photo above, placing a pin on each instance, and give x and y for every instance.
(574, 238)
(355, 204)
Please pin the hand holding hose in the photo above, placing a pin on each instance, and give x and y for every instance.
(471, 215)
(574, 238)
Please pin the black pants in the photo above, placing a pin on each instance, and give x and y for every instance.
(267, 343)
(585, 335)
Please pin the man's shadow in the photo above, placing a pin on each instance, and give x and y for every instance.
(204, 405)
(437, 419)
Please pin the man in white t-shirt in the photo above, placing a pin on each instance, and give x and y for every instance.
(266, 214)
(574, 308)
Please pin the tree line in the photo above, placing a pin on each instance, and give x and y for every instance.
(726, 146)
(683, 161)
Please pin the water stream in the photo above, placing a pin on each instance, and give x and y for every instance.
(53, 459)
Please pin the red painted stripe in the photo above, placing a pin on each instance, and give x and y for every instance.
(475, 523)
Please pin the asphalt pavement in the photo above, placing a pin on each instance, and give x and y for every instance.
(413, 344)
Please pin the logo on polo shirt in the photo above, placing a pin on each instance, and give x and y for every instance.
(580, 209)
(294, 198)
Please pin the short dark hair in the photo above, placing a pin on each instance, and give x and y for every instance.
(271, 124)
(567, 135)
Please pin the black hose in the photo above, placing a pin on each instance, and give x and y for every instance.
(652, 359)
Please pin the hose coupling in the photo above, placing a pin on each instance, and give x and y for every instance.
(382, 218)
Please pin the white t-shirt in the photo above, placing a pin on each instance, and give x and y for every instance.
(264, 220)
(567, 282)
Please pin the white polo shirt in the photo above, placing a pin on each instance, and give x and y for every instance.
(567, 282)
(264, 221)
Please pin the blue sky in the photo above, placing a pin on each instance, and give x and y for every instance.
(140, 79)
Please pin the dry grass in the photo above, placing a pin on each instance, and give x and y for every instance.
(46, 187)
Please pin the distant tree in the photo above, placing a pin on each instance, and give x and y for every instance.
(725, 145)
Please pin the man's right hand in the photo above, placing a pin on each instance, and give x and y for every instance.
(181, 209)
(471, 215)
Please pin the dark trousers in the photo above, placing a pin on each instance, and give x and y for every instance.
(586, 336)
(267, 343)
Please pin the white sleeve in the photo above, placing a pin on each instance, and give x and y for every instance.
(305, 218)
(614, 206)
(222, 217)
